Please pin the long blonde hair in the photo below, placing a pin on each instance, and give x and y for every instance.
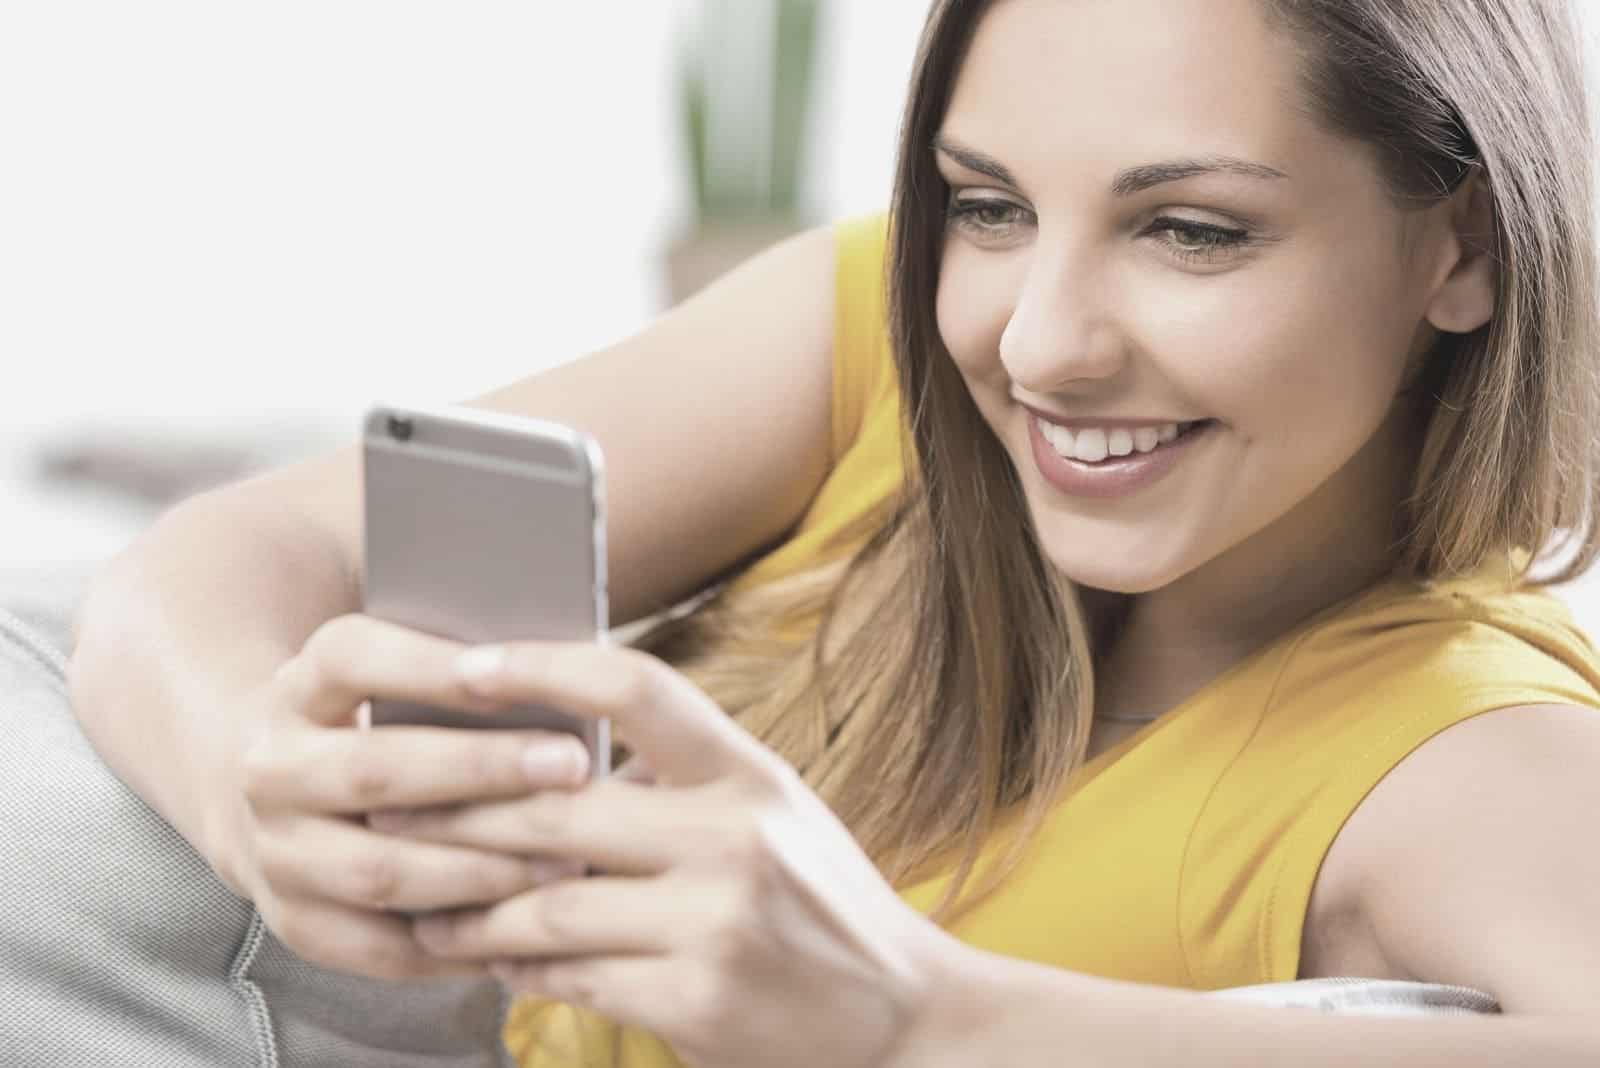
(942, 678)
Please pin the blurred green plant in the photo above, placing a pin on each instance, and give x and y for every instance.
(746, 86)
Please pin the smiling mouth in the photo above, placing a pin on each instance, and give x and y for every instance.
(1095, 445)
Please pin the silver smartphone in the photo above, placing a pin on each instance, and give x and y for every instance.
(483, 527)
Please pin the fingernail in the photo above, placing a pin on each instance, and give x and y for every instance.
(480, 665)
(554, 764)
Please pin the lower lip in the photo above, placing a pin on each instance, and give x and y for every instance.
(1113, 477)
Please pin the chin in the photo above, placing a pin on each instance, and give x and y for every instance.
(1115, 581)
(1114, 568)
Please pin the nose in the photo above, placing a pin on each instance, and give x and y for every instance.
(1060, 331)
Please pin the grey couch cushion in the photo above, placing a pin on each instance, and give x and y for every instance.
(45, 600)
(119, 946)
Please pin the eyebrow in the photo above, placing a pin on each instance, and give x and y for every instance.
(1137, 179)
(1127, 182)
(974, 160)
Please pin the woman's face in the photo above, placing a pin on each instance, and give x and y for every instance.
(1149, 228)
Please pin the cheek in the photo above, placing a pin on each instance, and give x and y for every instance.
(1307, 349)
(973, 308)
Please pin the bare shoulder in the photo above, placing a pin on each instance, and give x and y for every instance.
(1473, 860)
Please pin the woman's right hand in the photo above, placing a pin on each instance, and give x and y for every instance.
(297, 842)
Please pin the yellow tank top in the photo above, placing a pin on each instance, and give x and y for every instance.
(1185, 855)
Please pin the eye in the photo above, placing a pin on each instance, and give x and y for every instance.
(1198, 242)
(987, 220)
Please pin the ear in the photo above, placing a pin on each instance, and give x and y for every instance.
(1464, 297)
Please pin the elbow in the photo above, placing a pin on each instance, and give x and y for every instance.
(105, 627)
(98, 631)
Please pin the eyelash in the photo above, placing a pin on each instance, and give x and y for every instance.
(1220, 240)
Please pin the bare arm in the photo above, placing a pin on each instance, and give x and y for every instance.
(715, 426)
(1009, 1011)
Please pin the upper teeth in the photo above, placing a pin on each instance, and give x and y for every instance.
(1093, 444)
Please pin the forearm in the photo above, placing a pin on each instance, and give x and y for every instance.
(999, 1011)
(180, 627)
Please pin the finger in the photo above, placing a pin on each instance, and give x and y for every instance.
(348, 771)
(639, 991)
(615, 825)
(341, 862)
(357, 942)
(662, 715)
(576, 917)
(354, 657)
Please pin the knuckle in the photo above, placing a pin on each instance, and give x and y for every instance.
(753, 863)
(497, 880)
(548, 818)
(374, 880)
(318, 648)
(290, 673)
(585, 989)
(329, 645)
(757, 892)
(272, 861)
(559, 914)
(725, 945)
(495, 763)
(705, 993)
(744, 843)
(258, 766)
(296, 682)
(637, 680)
(369, 781)
(738, 927)
(574, 984)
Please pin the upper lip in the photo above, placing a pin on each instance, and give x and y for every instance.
(1101, 421)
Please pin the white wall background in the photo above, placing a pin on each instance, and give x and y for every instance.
(218, 215)
(221, 218)
(294, 204)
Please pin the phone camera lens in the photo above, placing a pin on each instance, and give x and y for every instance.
(399, 428)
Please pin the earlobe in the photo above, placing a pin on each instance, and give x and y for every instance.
(1465, 299)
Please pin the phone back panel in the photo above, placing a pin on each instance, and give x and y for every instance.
(484, 528)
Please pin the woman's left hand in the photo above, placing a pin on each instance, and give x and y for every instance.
(737, 919)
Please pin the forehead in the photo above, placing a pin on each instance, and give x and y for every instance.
(1049, 84)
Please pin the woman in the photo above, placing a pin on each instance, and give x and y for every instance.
(1247, 351)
